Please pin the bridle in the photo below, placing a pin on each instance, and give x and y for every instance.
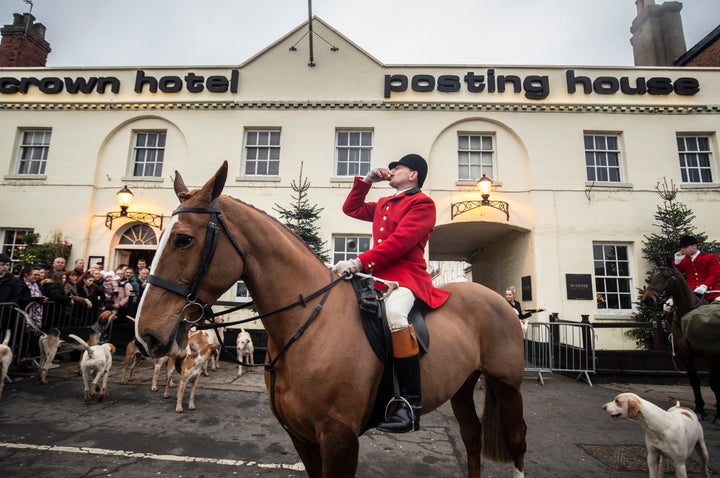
(215, 224)
(669, 289)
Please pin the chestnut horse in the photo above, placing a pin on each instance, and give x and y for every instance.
(666, 282)
(324, 375)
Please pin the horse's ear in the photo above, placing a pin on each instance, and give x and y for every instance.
(217, 182)
(180, 189)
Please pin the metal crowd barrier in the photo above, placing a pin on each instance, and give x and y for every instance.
(538, 349)
(23, 339)
(560, 347)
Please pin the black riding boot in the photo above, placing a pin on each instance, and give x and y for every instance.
(406, 361)
(406, 419)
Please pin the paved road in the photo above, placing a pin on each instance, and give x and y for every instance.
(50, 431)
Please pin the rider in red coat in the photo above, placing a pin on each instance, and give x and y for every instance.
(402, 224)
(701, 271)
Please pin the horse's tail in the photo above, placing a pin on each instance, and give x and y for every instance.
(503, 425)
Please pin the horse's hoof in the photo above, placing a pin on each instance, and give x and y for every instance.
(716, 421)
(702, 416)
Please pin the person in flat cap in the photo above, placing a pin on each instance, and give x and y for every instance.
(402, 224)
(701, 271)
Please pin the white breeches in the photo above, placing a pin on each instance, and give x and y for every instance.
(397, 307)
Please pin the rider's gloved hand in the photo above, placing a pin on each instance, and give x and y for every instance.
(701, 289)
(348, 267)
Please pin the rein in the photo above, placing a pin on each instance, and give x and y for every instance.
(302, 301)
(215, 224)
(671, 289)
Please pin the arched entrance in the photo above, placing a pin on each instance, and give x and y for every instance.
(500, 253)
(135, 241)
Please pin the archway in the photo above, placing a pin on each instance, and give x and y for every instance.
(135, 241)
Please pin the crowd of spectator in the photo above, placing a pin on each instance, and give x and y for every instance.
(53, 295)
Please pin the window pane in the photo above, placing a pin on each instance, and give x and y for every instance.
(353, 152)
(348, 247)
(33, 151)
(613, 284)
(696, 159)
(148, 154)
(262, 153)
(602, 158)
(476, 156)
(13, 243)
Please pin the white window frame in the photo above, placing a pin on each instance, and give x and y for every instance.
(261, 156)
(476, 156)
(353, 152)
(697, 163)
(241, 293)
(12, 245)
(148, 158)
(603, 160)
(33, 150)
(613, 277)
(349, 246)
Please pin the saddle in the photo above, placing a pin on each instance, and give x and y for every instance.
(377, 332)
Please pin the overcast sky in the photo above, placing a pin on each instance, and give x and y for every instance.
(228, 32)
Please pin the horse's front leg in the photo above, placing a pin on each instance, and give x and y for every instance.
(335, 456)
(695, 383)
(714, 382)
(338, 450)
(310, 456)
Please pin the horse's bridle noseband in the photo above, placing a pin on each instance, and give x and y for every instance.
(669, 289)
(215, 224)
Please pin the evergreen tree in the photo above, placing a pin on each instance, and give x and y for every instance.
(302, 216)
(35, 252)
(674, 220)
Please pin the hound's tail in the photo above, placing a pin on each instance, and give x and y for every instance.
(83, 343)
(7, 337)
(30, 321)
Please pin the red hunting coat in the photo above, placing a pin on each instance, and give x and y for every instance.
(401, 229)
(705, 269)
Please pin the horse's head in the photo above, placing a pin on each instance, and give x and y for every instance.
(180, 287)
(663, 283)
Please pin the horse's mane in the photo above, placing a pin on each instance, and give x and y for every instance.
(282, 227)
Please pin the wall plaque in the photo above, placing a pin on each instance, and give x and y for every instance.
(526, 284)
(579, 287)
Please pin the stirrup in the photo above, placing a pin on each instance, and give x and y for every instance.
(401, 400)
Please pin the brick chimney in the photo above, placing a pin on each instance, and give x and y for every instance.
(657, 33)
(23, 42)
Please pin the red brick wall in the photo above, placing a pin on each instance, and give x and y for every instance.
(20, 50)
(710, 56)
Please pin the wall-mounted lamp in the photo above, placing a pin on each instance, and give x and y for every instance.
(485, 183)
(125, 197)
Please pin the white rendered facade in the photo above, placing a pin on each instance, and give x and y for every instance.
(534, 143)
